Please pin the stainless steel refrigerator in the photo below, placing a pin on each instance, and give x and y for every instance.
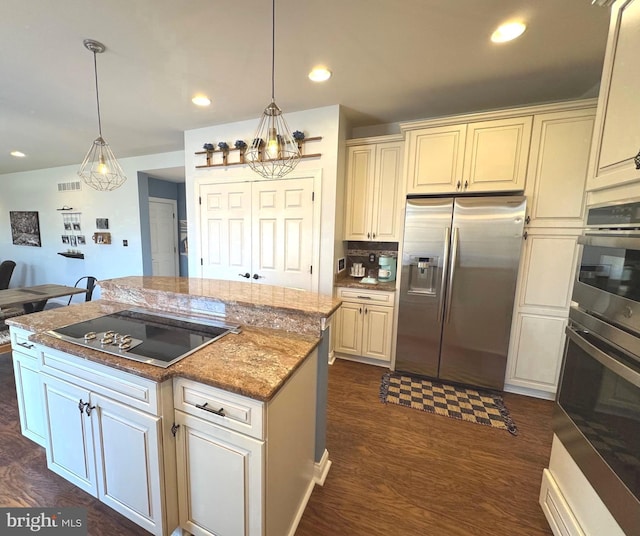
(460, 261)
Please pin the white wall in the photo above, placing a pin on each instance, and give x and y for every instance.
(323, 122)
(38, 191)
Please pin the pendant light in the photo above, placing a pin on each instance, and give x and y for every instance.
(100, 169)
(273, 151)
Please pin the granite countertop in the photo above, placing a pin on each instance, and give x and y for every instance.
(254, 363)
(345, 280)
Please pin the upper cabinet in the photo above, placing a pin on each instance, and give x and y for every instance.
(373, 189)
(484, 156)
(557, 171)
(617, 132)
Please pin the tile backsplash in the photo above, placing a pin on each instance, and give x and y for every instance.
(360, 252)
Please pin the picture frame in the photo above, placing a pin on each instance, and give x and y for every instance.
(65, 239)
(81, 240)
(102, 223)
(25, 228)
(72, 240)
(67, 226)
(76, 226)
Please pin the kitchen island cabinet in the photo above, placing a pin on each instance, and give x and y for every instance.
(132, 435)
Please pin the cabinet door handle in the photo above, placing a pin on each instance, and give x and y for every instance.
(368, 235)
(466, 184)
(360, 310)
(246, 275)
(374, 235)
(458, 185)
(365, 311)
(26, 345)
(527, 220)
(210, 410)
(89, 408)
(174, 429)
(81, 405)
(525, 235)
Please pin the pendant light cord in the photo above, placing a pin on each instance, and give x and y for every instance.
(95, 70)
(273, 49)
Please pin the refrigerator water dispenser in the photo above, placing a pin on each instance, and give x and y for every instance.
(422, 275)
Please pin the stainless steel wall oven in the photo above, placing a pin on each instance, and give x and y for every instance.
(597, 414)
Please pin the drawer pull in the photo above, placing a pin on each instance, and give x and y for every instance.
(364, 297)
(26, 345)
(210, 410)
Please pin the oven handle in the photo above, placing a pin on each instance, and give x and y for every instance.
(609, 240)
(609, 362)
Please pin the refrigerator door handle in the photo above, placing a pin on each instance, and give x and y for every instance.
(445, 264)
(454, 258)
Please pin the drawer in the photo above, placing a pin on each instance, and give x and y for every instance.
(20, 342)
(132, 390)
(225, 409)
(366, 296)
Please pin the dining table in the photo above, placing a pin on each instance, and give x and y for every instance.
(33, 299)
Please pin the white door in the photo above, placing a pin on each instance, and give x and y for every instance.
(225, 223)
(164, 236)
(69, 433)
(128, 460)
(282, 233)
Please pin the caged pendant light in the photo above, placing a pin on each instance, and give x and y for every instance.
(273, 152)
(100, 169)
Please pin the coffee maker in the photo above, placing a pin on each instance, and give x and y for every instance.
(387, 271)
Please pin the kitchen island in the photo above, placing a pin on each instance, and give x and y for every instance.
(223, 442)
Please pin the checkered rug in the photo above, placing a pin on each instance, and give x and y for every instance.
(480, 407)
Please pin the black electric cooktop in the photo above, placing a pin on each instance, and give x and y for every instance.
(145, 336)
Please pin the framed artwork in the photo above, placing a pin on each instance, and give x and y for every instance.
(102, 223)
(25, 228)
(76, 226)
(72, 240)
(81, 240)
(65, 239)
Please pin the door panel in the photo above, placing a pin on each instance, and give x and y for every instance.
(282, 245)
(164, 237)
(376, 333)
(70, 445)
(422, 286)
(484, 268)
(127, 454)
(225, 220)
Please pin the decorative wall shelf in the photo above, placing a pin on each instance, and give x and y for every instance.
(71, 255)
(224, 152)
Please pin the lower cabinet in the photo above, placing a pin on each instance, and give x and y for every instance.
(543, 297)
(364, 324)
(26, 367)
(107, 448)
(220, 483)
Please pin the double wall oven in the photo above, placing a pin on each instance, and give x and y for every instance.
(597, 415)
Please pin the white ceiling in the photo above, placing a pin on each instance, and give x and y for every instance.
(392, 60)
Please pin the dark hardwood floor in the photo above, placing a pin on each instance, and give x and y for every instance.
(396, 471)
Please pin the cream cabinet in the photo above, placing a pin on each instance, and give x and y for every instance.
(364, 325)
(557, 171)
(483, 156)
(547, 269)
(373, 193)
(245, 467)
(100, 441)
(617, 133)
(27, 362)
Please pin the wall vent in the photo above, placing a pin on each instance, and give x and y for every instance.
(71, 186)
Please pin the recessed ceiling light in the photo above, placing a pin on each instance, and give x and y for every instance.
(201, 100)
(319, 74)
(17, 154)
(508, 31)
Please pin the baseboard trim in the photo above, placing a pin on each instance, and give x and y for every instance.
(303, 506)
(321, 469)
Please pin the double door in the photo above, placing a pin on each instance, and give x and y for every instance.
(109, 450)
(458, 278)
(259, 231)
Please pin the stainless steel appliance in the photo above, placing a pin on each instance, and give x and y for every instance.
(597, 414)
(159, 339)
(459, 268)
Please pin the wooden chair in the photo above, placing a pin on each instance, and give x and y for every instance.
(6, 270)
